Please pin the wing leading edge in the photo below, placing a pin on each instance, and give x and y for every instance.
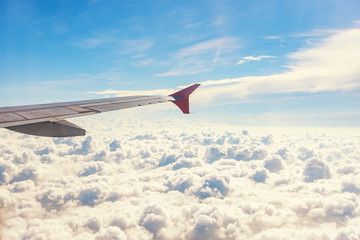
(49, 119)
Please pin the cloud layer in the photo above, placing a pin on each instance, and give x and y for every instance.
(171, 179)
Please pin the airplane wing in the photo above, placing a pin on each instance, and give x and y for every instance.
(49, 119)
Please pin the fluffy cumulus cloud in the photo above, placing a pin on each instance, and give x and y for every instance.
(315, 169)
(173, 179)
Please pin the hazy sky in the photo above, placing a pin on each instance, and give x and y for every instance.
(260, 62)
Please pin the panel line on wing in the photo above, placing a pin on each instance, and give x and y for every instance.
(79, 109)
(46, 112)
(9, 116)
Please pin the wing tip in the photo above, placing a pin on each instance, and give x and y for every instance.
(181, 98)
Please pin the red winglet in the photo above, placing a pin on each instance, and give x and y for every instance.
(182, 98)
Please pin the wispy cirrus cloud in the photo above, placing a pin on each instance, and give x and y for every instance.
(227, 43)
(306, 34)
(184, 71)
(273, 37)
(201, 56)
(220, 20)
(133, 46)
(94, 42)
(315, 33)
(328, 65)
(143, 63)
(121, 46)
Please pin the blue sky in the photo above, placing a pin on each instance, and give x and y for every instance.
(271, 62)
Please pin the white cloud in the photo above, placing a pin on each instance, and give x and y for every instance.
(153, 219)
(240, 61)
(213, 154)
(260, 175)
(50, 229)
(251, 58)
(315, 169)
(110, 233)
(176, 179)
(273, 164)
(29, 172)
(350, 232)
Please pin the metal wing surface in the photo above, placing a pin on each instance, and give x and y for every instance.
(49, 119)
